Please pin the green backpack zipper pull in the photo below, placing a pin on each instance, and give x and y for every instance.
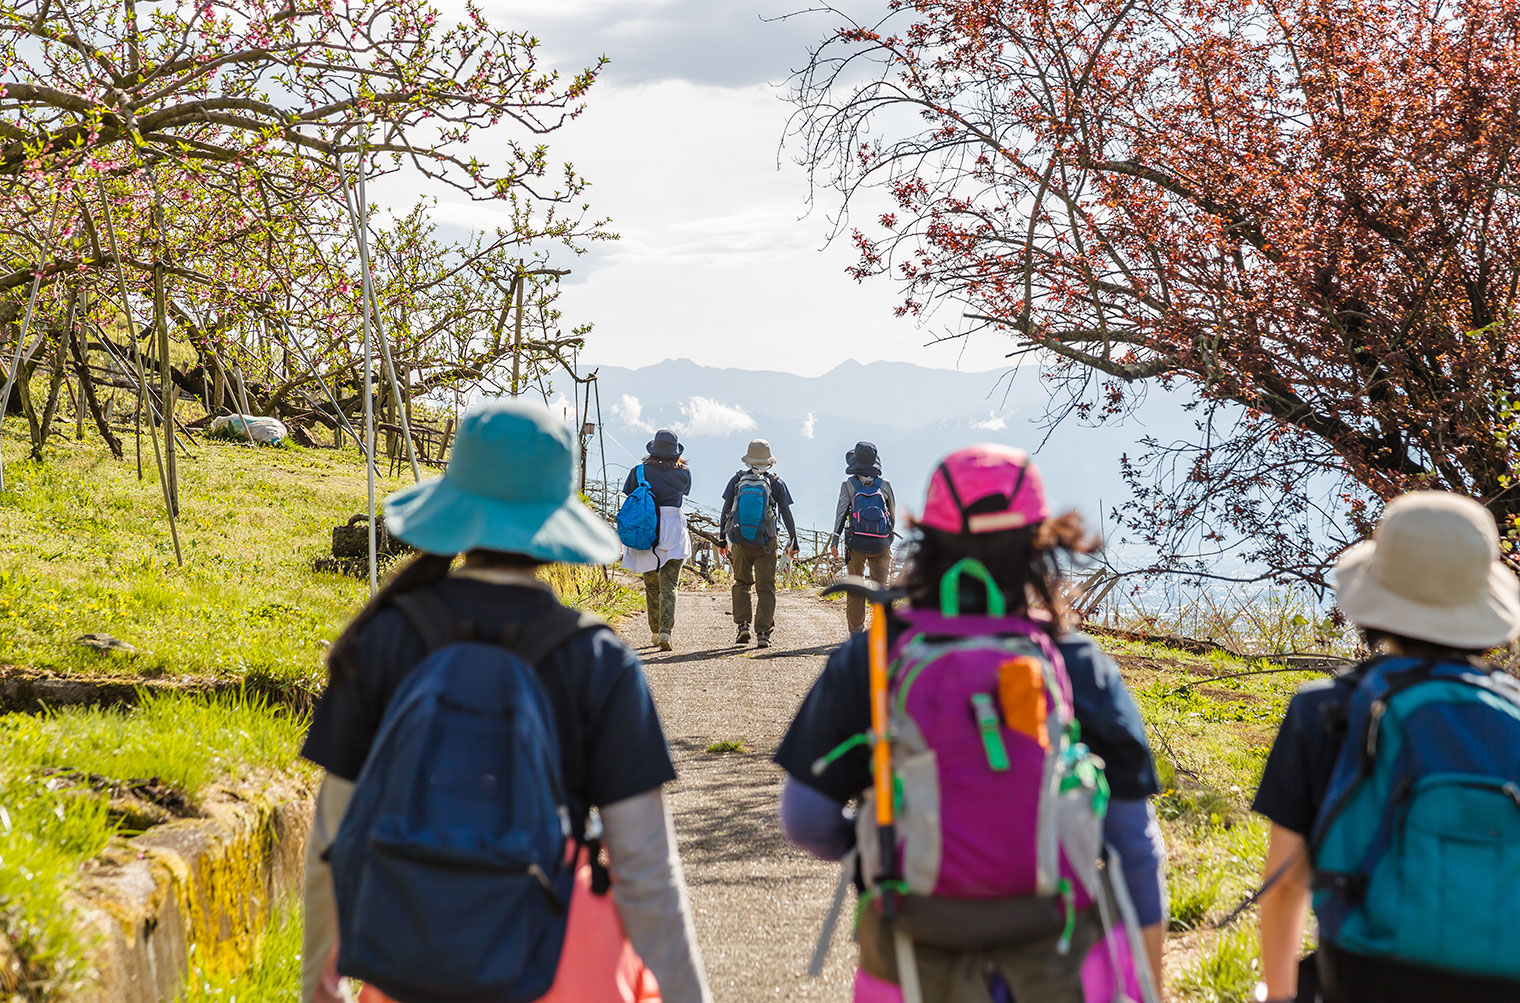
(991, 726)
(1069, 903)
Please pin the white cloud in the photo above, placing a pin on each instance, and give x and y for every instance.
(632, 413)
(996, 423)
(709, 417)
(808, 425)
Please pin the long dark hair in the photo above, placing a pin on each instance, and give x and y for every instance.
(420, 572)
(666, 462)
(1024, 562)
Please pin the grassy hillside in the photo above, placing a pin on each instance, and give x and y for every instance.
(85, 549)
(1211, 720)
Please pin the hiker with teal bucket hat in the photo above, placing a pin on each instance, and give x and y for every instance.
(481, 743)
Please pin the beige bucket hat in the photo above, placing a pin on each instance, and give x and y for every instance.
(759, 455)
(1432, 572)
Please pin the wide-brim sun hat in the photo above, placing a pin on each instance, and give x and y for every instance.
(863, 459)
(1432, 572)
(759, 454)
(509, 487)
(985, 488)
(665, 445)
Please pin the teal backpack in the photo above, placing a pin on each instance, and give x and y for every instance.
(1416, 851)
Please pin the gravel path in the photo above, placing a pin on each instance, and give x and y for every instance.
(759, 902)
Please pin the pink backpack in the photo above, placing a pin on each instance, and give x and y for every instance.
(998, 805)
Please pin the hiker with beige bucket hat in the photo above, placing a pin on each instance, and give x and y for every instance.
(1394, 789)
(751, 501)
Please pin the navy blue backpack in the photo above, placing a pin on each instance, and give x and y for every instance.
(638, 520)
(450, 865)
(1416, 851)
(870, 522)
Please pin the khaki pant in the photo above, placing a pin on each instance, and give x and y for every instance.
(856, 564)
(754, 566)
(660, 596)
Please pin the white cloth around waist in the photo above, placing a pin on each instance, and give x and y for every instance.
(672, 544)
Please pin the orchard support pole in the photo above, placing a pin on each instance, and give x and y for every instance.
(361, 231)
(142, 375)
(372, 304)
(26, 322)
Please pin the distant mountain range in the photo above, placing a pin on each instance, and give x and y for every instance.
(914, 415)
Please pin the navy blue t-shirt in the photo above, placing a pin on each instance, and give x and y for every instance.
(1296, 778)
(611, 743)
(671, 485)
(839, 706)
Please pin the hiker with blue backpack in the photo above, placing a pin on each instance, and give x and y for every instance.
(752, 501)
(864, 518)
(1012, 854)
(1394, 789)
(653, 530)
(482, 744)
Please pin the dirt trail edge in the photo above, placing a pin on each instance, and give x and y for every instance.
(759, 902)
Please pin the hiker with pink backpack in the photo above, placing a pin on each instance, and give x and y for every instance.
(1015, 855)
(864, 519)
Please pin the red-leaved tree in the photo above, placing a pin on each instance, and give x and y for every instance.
(1306, 211)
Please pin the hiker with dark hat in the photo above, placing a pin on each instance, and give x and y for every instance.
(1394, 789)
(668, 482)
(482, 744)
(751, 502)
(865, 516)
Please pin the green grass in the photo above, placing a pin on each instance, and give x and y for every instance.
(1210, 737)
(274, 977)
(726, 745)
(1226, 970)
(84, 548)
(55, 814)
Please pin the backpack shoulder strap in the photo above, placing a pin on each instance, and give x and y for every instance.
(640, 471)
(439, 628)
(429, 616)
(549, 632)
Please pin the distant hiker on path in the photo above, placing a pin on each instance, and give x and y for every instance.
(470, 724)
(662, 481)
(866, 515)
(989, 886)
(1394, 788)
(750, 503)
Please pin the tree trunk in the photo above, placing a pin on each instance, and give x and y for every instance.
(87, 391)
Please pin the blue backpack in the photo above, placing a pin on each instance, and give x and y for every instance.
(1416, 850)
(754, 519)
(870, 523)
(450, 865)
(638, 521)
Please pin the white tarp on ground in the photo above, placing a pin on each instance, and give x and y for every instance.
(266, 430)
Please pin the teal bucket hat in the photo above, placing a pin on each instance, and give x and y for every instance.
(509, 487)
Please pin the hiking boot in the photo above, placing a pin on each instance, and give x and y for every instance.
(763, 639)
(663, 640)
(654, 638)
(743, 637)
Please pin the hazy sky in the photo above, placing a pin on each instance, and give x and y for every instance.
(720, 261)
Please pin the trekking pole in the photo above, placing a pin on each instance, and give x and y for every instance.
(889, 881)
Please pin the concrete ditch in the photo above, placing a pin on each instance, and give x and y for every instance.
(202, 887)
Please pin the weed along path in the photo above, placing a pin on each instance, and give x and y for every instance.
(759, 902)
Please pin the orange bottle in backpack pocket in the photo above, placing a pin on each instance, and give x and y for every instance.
(1021, 692)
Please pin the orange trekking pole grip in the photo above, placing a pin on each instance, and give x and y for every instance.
(881, 752)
